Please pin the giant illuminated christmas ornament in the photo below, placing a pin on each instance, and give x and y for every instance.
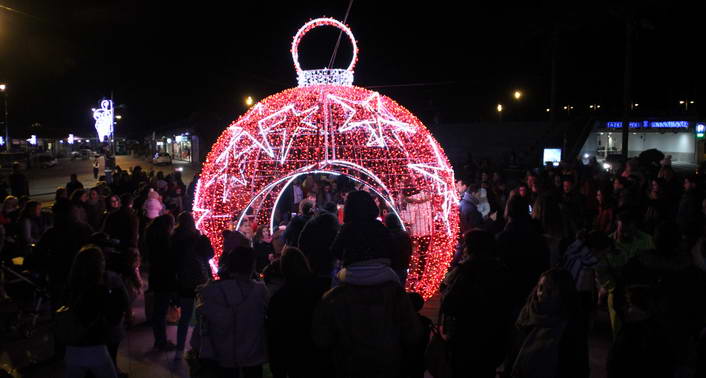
(327, 125)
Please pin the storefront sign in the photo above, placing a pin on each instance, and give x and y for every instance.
(649, 124)
(700, 129)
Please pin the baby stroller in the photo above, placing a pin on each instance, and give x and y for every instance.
(22, 314)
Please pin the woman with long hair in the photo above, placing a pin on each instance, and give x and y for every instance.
(289, 316)
(79, 199)
(162, 275)
(262, 243)
(31, 224)
(99, 301)
(192, 252)
(605, 218)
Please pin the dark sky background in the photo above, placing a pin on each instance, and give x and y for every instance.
(166, 61)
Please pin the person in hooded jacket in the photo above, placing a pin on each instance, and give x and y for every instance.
(192, 252)
(289, 319)
(367, 321)
(551, 336)
(229, 336)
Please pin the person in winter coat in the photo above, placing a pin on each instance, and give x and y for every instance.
(470, 216)
(477, 309)
(153, 207)
(192, 252)
(121, 222)
(289, 320)
(230, 313)
(162, 276)
(552, 340)
(99, 301)
(367, 321)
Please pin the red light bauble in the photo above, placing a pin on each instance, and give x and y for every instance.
(326, 125)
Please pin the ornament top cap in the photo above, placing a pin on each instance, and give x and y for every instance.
(323, 76)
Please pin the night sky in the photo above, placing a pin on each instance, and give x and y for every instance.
(440, 59)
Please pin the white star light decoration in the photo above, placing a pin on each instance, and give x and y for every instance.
(275, 122)
(379, 119)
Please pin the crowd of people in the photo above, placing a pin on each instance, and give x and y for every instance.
(539, 255)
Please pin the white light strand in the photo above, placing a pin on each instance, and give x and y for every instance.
(323, 76)
(104, 119)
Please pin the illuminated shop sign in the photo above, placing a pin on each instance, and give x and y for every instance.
(649, 125)
(700, 129)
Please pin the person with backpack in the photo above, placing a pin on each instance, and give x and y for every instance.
(192, 252)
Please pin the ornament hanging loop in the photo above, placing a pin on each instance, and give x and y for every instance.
(324, 76)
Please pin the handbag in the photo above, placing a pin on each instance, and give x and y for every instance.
(436, 356)
(68, 330)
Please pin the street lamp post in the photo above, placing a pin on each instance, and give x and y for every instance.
(568, 109)
(686, 104)
(3, 89)
(499, 108)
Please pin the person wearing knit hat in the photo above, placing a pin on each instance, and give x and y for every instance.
(367, 320)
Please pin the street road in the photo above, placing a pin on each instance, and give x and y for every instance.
(44, 181)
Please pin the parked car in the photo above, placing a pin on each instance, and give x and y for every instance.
(86, 153)
(47, 161)
(162, 158)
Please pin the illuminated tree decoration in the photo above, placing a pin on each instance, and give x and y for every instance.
(327, 125)
(104, 119)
